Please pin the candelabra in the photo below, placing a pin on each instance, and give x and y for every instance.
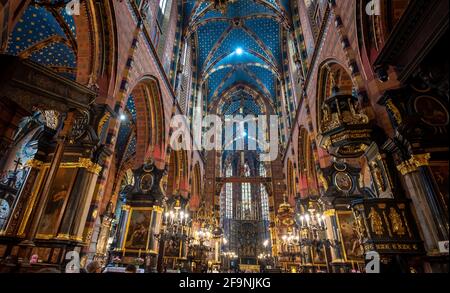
(176, 225)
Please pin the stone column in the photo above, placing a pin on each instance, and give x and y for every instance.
(423, 201)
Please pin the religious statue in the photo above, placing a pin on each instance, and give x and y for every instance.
(326, 113)
(396, 221)
(378, 177)
(356, 247)
(353, 116)
(376, 223)
(360, 228)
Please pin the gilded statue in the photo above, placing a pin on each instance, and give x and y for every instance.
(376, 223)
(323, 180)
(396, 221)
(354, 117)
(326, 113)
(378, 177)
(360, 228)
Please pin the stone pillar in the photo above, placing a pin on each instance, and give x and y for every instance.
(427, 218)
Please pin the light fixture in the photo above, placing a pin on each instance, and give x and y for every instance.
(123, 117)
(239, 51)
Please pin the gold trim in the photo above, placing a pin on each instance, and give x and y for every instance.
(89, 165)
(42, 174)
(34, 164)
(422, 160)
(102, 122)
(330, 213)
(45, 236)
(69, 237)
(414, 163)
(395, 112)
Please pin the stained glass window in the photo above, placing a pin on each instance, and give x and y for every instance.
(264, 203)
(246, 198)
(229, 195)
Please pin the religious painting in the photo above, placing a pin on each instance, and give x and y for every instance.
(343, 181)
(57, 200)
(440, 174)
(431, 111)
(349, 235)
(138, 229)
(172, 248)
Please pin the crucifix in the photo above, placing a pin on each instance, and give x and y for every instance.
(12, 179)
(18, 162)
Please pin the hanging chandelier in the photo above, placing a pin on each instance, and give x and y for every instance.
(176, 222)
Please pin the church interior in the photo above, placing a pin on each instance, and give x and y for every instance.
(93, 95)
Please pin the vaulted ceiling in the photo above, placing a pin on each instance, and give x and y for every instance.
(238, 45)
(46, 34)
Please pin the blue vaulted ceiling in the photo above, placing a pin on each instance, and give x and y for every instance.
(255, 26)
(46, 34)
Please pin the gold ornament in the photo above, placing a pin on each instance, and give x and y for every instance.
(376, 223)
(396, 221)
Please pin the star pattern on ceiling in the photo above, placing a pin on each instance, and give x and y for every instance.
(126, 139)
(238, 42)
(46, 34)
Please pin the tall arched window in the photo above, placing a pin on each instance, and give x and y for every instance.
(246, 198)
(229, 194)
(264, 203)
(162, 5)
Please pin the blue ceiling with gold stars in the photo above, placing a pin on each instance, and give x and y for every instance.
(126, 139)
(46, 34)
(238, 44)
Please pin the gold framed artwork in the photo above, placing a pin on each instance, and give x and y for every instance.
(343, 181)
(57, 200)
(173, 248)
(431, 111)
(138, 229)
(351, 246)
(440, 175)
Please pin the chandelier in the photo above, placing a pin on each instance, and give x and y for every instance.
(176, 222)
(311, 223)
(230, 255)
(264, 255)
